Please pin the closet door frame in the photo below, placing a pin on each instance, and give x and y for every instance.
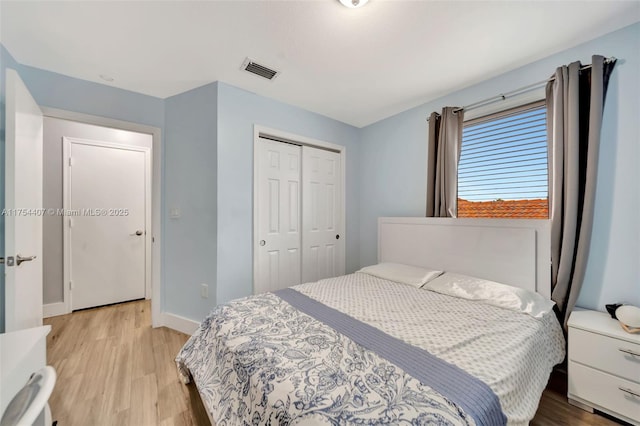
(286, 137)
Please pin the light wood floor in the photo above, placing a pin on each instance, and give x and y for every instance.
(114, 369)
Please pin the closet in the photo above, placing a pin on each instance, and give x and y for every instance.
(298, 214)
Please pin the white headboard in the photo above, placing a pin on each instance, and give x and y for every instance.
(510, 251)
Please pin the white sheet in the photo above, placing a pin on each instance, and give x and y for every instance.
(511, 352)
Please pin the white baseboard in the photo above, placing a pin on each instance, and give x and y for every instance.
(178, 323)
(54, 309)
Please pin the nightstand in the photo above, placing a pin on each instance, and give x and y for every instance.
(604, 366)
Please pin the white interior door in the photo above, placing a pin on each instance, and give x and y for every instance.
(278, 215)
(23, 204)
(106, 201)
(322, 239)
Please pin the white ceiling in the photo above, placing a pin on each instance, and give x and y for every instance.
(354, 65)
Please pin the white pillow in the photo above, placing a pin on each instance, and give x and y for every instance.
(492, 293)
(406, 274)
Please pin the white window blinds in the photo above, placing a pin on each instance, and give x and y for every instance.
(504, 156)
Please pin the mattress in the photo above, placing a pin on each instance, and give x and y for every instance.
(357, 349)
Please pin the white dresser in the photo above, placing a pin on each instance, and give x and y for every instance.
(604, 366)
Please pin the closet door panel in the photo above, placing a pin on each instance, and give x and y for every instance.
(322, 244)
(278, 211)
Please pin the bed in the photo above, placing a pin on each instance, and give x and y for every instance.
(369, 348)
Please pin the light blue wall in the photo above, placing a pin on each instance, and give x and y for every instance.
(55, 90)
(393, 165)
(190, 185)
(6, 61)
(238, 111)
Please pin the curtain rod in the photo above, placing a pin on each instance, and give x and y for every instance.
(525, 89)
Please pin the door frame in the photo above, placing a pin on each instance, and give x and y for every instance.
(66, 205)
(291, 138)
(154, 226)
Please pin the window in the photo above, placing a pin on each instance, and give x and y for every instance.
(502, 171)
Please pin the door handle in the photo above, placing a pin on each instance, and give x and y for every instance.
(20, 259)
(138, 233)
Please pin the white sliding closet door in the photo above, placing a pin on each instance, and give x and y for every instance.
(322, 244)
(278, 170)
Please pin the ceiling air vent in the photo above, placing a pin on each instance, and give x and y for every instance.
(259, 70)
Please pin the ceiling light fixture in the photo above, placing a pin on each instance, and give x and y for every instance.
(353, 3)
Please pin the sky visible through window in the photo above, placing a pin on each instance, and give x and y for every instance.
(505, 158)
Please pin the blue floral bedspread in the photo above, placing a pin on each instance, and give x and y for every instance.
(260, 361)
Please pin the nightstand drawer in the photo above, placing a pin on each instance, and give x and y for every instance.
(605, 353)
(604, 390)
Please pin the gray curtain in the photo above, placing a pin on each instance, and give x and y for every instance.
(575, 101)
(445, 139)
